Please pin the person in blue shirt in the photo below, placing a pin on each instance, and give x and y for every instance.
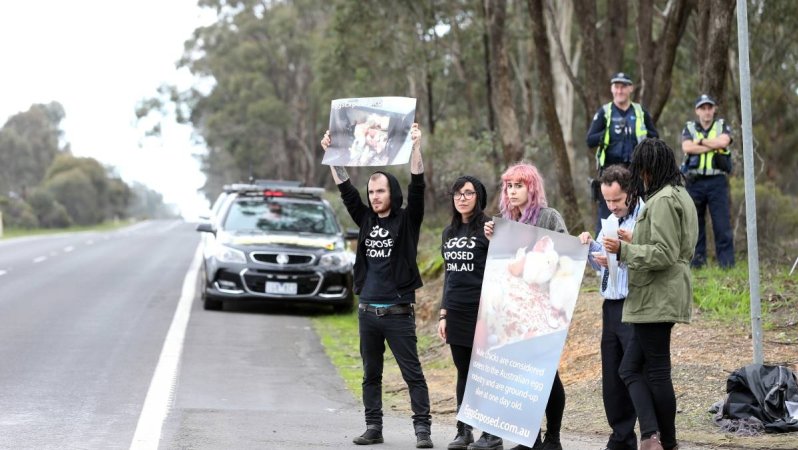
(617, 127)
(615, 335)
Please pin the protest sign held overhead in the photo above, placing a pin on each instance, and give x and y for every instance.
(531, 283)
(373, 131)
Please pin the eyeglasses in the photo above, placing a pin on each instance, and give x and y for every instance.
(468, 195)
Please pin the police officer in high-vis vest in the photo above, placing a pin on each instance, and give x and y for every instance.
(616, 129)
(705, 143)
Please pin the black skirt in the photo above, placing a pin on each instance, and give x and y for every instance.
(460, 326)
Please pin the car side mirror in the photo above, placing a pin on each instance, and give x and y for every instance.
(352, 234)
(206, 227)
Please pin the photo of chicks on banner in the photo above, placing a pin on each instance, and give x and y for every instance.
(531, 283)
(370, 131)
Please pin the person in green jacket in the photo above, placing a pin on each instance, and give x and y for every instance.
(660, 290)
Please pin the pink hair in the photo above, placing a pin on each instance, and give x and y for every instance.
(529, 175)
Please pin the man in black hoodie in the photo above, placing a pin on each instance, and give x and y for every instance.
(386, 279)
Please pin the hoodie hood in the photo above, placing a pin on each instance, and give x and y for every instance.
(396, 192)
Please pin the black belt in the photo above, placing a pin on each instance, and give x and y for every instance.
(384, 311)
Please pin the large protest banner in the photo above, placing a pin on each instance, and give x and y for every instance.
(373, 131)
(531, 283)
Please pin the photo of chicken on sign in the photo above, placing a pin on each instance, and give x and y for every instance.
(529, 289)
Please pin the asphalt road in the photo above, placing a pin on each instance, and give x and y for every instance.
(86, 321)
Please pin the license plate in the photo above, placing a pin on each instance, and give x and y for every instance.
(273, 287)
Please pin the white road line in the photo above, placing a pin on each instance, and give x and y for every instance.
(68, 249)
(159, 396)
(2, 272)
(39, 259)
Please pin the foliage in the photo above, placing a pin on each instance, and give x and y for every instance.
(147, 204)
(48, 210)
(776, 219)
(17, 213)
(28, 144)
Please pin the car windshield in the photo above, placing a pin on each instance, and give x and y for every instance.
(269, 214)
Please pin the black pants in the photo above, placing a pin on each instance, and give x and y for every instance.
(399, 330)
(646, 370)
(462, 358)
(615, 339)
(712, 192)
(555, 408)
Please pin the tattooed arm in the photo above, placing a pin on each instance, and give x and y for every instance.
(339, 173)
(416, 163)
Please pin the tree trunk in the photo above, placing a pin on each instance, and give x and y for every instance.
(656, 58)
(501, 83)
(489, 86)
(714, 64)
(596, 84)
(459, 69)
(559, 34)
(545, 86)
(618, 18)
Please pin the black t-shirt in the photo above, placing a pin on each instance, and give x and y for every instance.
(464, 264)
(379, 285)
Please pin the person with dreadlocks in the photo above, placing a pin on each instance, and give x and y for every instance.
(465, 249)
(660, 290)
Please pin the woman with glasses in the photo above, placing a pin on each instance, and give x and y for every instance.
(464, 249)
(524, 200)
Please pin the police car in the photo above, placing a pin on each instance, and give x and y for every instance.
(276, 242)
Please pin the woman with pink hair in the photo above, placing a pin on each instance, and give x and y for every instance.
(523, 199)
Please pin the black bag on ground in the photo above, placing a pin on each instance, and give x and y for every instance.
(767, 393)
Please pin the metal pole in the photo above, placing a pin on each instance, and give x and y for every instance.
(748, 173)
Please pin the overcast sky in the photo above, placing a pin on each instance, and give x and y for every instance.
(98, 58)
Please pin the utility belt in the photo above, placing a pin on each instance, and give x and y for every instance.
(380, 311)
(704, 173)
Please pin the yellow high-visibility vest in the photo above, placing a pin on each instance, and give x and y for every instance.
(706, 161)
(640, 130)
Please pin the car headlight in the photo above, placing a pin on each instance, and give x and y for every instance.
(229, 255)
(336, 260)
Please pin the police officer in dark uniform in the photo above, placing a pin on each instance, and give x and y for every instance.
(705, 143)
(616, 129)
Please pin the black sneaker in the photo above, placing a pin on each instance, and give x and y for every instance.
(423, 440)
(371, 436)
(487, 442)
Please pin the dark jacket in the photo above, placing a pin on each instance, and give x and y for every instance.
(404, 225)
(765, 392)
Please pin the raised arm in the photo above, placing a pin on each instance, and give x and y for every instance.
(339, 173)
(416, 163)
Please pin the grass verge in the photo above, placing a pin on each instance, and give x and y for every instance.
(9, 233)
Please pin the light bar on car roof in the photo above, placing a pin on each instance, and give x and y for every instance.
(307, 192)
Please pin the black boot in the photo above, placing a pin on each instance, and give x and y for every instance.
(373, 435)
(463, 438)
(487, 442)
